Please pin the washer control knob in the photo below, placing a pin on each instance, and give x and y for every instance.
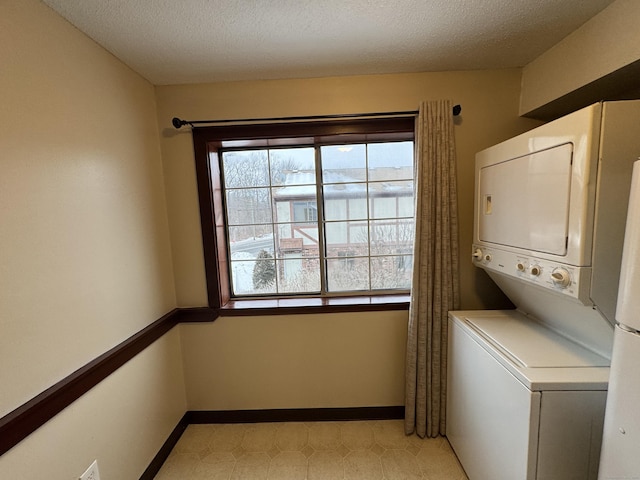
(535, 270)
(487, 257)
(561, 277)
(521, 266)
(477, 254)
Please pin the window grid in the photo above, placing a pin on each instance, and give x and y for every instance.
(279, 258)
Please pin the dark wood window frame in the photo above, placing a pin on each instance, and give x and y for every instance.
(208, 141)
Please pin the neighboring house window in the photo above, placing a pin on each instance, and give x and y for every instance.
(305, 212)
(308, 214)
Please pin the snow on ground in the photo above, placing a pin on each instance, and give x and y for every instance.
(242, 264)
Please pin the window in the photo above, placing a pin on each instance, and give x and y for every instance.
(305, 212)
(317, 209)
(277, 244)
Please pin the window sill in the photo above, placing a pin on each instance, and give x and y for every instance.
(308, 305)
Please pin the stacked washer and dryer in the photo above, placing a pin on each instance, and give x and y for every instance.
(527, 387)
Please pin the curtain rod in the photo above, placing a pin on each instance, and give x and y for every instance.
(178, 123)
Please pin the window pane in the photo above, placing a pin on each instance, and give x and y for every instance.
(385, 198)
(343, 163)
(299, 275)
(358, 209)
(390, 161)
(405, 206)
(286, 199)
(341, 199)
(384, 207)
(242, 264)
(293, 166)
(392, 272)
(282, 209)
(305, 211)
(251, 275)
(347, 239)
(335, 208)
(300, 239)
(251, 239)
(249, 206)
(347, 274)
(245, 169)
(391, 236)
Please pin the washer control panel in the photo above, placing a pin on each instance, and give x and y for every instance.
(561, 278)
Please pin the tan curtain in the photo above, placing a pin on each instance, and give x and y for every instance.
(435, 287)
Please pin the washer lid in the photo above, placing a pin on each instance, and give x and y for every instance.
(531, 344)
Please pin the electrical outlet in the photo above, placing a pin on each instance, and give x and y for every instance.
(92, 472)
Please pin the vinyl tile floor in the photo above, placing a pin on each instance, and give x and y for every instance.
(354, 450)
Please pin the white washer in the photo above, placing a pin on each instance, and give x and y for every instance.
(523, 402)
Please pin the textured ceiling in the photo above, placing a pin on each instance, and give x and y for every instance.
(193, 41)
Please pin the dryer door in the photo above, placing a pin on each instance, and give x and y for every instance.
(524, 202)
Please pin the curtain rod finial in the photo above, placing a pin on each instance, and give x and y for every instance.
(177, 123)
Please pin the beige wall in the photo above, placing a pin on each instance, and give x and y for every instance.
(85, 254)
(296, 361)
(605, 44)
(234, 362)
(122, 422)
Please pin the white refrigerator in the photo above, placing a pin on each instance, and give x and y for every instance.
(620, 456)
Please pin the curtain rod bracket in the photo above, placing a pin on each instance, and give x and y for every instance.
(179, 123)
